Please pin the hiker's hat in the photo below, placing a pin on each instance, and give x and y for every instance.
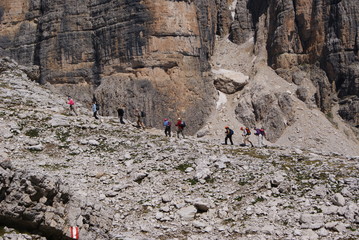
(241, 128)
(165, 119)
(226, 127)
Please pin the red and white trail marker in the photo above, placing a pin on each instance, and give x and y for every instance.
(74, 232)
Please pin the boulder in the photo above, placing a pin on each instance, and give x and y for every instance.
(228, 81)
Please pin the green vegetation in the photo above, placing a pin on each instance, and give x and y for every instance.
(33, 133)
(209, 180)
(318, 210)
(54, 167)
(258, 199)
(106, 148)
(255, 154)
(192, 181)
(239, 198)
(183, 167)
(62, 135)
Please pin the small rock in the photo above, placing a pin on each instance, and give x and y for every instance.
(199, 224)
(139, 176)
(93, 142)
(111, 194)
(201, 206)
(339, 200)
(312, 221)
(166, 198)
(38, 147)
(323, 232)
(159, 215)
(187, 213)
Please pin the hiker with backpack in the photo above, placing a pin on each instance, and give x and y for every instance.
(143, 118)
(95, 108)
(246, 133)
(229, 133)
(71, 102)
(260, 133)
(139, 121)
(180, 126)
(167, 125)
(121, 113)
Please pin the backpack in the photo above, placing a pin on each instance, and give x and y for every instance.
(167, 123)
(262, 132)
(231, 132)
(183, 124)
(143, 114)
(248, 131)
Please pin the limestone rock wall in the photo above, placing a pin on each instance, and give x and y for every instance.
(151, 55)
(302, 34)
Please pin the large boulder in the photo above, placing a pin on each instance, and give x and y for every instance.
(228, 81)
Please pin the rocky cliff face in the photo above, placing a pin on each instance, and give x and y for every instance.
(305, 39)
(145, 54)
(154, 55)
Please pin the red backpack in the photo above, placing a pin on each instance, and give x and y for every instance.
(248, 131)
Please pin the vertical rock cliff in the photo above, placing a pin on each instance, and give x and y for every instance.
(306, 39)
(151, 55)
(154, 55)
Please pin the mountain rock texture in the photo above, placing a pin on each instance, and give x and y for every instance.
(115, 181)
(150, 55)
(156, 55)
(306, 39)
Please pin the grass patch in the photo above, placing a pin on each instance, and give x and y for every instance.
(209, 180)
(253, 153)
(33, 133)
(54, 167)
(62, 136)
(183, 167)
(246, 179)
(258, 199)
(286, 158)
(318, 210)
(239, 198)
(106, 148)
(192, 181)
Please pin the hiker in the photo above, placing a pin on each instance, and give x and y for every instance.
(71, 102)
(95, 108)
(139, 122)
(143, 118)
(121, 113)
(167, 125)
(180, 126)
(229, 133)
(260, 133)
(246, 133)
